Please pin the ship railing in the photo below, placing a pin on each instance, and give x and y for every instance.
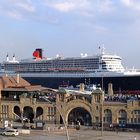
(132, 70)
(48, 71)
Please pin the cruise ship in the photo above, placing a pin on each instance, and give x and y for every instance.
(100, 69)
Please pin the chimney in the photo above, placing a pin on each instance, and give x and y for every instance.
(82, 87)
(110, 89)
(18, 78)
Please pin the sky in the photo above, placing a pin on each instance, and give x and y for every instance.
(70, 27)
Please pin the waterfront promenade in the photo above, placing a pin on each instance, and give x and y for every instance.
(75, 135)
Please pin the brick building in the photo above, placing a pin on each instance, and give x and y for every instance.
(21, 100)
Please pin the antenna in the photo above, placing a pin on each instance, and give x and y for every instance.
(7, 57)
(103, 49)
(14, 59)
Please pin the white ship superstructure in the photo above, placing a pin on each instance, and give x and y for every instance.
(87, 65)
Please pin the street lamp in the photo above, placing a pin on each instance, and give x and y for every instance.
(102, 112)
(102, 100)
(102, 81)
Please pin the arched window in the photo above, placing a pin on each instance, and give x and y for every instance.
(80, 116)
(135, 116)
(39, 113)
(17, 113)
(28, 113)
(122, 117)
(107, 116)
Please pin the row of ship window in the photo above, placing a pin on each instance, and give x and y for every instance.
(55, 66)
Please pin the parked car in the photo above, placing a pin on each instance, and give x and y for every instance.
(11, 132)
(2, 130)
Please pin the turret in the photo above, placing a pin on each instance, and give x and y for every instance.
(82, 87)
(97, 103)
(98, 96)
(110, 89)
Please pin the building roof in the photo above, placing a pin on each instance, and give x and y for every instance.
(12, 81)
(16, 83)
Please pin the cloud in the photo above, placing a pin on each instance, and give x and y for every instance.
(83, 8)
(68, 5)
(55, 11)
(64, 7)
(25, 5)
(31, 9)
(16, 9)
(126, 2)
(14, 14)
(100, 29)
(134, 4)
(106, 6)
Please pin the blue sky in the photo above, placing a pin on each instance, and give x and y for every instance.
(70, 27)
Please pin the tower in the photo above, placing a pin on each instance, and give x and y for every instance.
(110, 89)
(97, 106)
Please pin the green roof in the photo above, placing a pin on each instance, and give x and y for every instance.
(98, 91)
(62, 90)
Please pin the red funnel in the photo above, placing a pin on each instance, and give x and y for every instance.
(36, 54)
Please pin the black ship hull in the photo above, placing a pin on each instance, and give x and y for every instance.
(119, 83)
